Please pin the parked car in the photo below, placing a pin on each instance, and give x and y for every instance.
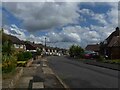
(90, 55)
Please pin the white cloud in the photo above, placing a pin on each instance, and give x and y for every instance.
(20, 33)
(63, 13)
(40, 16)
(15, 31)
(113, 14)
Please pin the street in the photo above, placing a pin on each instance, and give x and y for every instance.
(79, 75)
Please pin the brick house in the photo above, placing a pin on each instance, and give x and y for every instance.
(93, 47)
(111, 45)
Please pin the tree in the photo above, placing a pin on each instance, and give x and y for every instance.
(39, 51)
(76, 51)
(7, 48)
(9, 61)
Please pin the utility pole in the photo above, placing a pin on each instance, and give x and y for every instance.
(45, 42)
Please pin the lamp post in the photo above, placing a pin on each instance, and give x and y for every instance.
(45, 42)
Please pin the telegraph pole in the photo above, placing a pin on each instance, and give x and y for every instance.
(45, 42)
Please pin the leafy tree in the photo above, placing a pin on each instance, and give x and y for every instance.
(39, 51)
(76, 51)
(72, 50)
(7, 48)
(8, 59)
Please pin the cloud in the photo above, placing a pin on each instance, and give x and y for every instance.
(40, 16)
(15, 31)
(49, 15)
(100, 18)
(21, 34)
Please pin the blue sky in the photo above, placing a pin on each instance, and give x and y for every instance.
(63, 24)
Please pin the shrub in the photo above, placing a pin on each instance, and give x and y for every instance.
(101, 58)
(27, 55)
(24, 56)
(9, 63)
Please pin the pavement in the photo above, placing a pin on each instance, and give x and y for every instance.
(38, 76)
(80, 75)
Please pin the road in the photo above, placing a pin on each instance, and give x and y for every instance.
(79, 75)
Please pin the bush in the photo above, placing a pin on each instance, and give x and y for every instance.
(20, 57)
(27, 55)
(101, 58)
(24, 56)
(76, 51)
(9, 63)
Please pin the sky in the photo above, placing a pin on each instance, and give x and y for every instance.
(62, 23)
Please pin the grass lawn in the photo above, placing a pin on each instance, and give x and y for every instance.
(117, 61)
(21, 63)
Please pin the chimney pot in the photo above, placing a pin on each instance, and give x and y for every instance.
(117, 31)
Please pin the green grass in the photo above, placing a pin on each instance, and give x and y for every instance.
(117, 61)
(21, 63)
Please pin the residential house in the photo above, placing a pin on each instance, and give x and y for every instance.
(18, 44)
(39, 46)
(30, 46)
(93, 47)
(111, 45)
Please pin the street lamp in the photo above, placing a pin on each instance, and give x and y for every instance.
(45, 41)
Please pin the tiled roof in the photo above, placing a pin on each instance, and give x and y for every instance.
(114, 42)
(93, 47)
(115, 33)
(14, 39)
(39, 45)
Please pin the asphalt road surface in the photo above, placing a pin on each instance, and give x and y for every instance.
(79, 75)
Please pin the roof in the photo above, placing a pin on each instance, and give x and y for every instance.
(30, 46)
(92, 47)
(14, 39)
(39, 45)
(115, 33)
(115, 42)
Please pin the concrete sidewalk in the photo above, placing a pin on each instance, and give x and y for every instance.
(27, 79)
(38, 76)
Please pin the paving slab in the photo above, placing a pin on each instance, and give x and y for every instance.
(29, 71)
(44, 60)
(47, 70)
(44, 64)
(52, 82)
(37, 85)
(24, 82)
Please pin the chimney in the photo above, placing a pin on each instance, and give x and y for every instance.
(117, 31)
(2, 29)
